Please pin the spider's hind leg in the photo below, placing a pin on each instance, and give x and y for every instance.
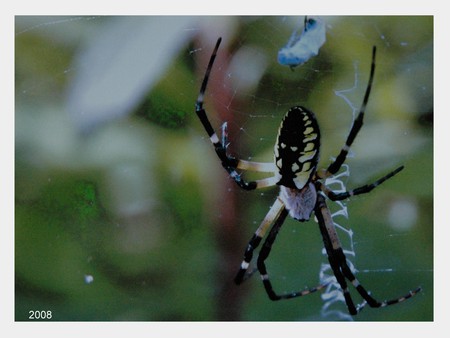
(334, 167)
(228, 162)
(360, 190)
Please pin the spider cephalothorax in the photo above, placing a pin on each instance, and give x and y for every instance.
(294, 170)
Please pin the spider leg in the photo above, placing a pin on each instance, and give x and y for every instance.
(264, 167)
(264, 253)
(360, 190)
(363, 292)
(333, 248)
(335, 266)
(228, 162)
(357, 124)
(278, 214)
(273, 214)
(338, 262)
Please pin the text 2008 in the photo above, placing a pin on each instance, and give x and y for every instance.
(42, 314)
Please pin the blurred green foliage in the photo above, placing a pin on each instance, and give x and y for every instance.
(164, 109)
(135, 203)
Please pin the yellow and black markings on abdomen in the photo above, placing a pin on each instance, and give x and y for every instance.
(297, 147)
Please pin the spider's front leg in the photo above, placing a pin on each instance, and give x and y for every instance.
(276, 215)
(338, 262)
(264, 254)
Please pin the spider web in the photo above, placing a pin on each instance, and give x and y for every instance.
(340, 80)
(251, 91)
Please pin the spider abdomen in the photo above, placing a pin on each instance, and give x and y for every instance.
(297, 148)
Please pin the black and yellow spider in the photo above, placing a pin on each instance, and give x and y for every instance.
(301, 191)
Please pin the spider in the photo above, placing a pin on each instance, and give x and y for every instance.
(296, 156)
